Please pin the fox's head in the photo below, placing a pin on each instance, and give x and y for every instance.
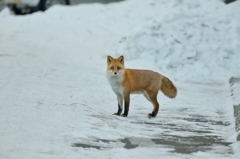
(115, 66)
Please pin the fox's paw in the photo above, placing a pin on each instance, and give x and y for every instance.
(116, 114)
(124, 115)
(150, 115)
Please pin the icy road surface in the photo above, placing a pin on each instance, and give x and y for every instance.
(65, 111)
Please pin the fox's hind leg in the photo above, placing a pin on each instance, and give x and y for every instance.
(152, 97)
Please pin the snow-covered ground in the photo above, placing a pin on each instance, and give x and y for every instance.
(55, 101)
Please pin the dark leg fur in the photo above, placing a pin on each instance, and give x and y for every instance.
(153, 98)
(126, 105)
(126, 109)
(119, 111)
(151, 115)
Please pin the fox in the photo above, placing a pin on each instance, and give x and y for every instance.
(126, 81)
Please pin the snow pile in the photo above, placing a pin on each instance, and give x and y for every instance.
(206, 46)
(124, 17)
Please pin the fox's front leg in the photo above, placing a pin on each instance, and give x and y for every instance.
(126, 104)
(120, 105)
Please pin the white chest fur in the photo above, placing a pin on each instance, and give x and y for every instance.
(115, 82)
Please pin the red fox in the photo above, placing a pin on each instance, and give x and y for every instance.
(129, 81)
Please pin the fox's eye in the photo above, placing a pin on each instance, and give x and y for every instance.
(118, 68)
(111, 68)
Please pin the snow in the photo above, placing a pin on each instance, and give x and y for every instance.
(55, 101)
(205, 46)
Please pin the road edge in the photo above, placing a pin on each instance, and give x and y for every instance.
(236, 107)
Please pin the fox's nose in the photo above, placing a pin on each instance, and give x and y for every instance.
(115, 73)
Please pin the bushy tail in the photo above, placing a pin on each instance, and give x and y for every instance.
(168, 88)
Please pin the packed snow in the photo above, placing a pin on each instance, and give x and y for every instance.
(55, 101)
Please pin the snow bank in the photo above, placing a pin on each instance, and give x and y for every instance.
(189, 46)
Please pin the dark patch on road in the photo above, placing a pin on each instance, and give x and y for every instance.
(191, 144)
(128, 144)
(234, 80)
(85, 145)
(180, 144)
(126, 141)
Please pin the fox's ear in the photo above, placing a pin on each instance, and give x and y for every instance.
(121, 59)
(109, 59)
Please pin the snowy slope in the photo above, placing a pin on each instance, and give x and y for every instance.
(55, 101)
(206, 46)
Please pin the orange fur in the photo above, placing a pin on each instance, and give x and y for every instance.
(168, 88)
(127, 81)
